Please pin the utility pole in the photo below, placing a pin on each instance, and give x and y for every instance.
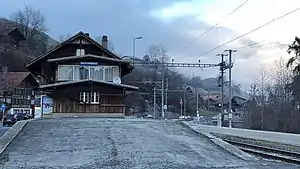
(198, 117)
(154, 103)
(222, 69)
(167, 88)
(184, 100)
(208, 96)
(180, 106)
(230, 51)
(162, 95)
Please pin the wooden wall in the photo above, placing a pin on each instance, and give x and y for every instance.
(66, 100)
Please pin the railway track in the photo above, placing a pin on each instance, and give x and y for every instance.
(267, 152)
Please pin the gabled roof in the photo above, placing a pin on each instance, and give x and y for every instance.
(87, 56)
(79, 34)
(84, 81)
(4, 31)
(10, 80)
(201, 91)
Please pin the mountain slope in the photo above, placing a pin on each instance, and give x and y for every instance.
(12, 58)
(51, 42)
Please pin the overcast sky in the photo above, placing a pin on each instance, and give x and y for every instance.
(175, 23)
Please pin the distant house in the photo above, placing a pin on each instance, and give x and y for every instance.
(10, 37)
(83, 76)
(16, 90)
(216, 101)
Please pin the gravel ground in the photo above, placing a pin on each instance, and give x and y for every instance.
(116, 144)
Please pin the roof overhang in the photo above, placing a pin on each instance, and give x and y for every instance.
(61, 84)
(83, 57)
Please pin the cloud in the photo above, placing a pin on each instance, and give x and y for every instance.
(172, 23)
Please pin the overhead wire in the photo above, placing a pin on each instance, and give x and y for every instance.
(205, 32)
(251, 31)
(255, 45)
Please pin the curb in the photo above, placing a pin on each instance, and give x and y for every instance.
(11, 133)
(219, 142)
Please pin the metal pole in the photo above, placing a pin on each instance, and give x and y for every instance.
(42, 106)
(167, 88)
(222, 68)
(184, 100)
(208, 100)
(230, 90)
(230, 87)
(154, 102)
(162, 95)
(180, 106)
(133, 48)
(222, 104)
(197, 107)
(133, 51)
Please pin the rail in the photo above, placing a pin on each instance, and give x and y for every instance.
(267, 152)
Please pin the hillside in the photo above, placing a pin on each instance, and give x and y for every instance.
(51, 42)
(14, 58)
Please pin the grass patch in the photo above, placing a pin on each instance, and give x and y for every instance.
(204, 112)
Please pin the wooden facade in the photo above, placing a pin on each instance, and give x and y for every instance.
(16, 89)
(111, 100)
(83, 89)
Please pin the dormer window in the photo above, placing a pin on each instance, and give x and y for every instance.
(80, 52)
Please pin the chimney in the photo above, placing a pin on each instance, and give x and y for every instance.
(87, 34)
(104, 41)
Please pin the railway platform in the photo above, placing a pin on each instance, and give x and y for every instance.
(276, 137)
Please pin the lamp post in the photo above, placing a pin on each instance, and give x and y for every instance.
(198, 116)
(133, 50)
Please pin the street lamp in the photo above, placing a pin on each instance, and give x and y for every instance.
(133, 50)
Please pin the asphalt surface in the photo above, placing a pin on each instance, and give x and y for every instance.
(118, 144)
(3, 130)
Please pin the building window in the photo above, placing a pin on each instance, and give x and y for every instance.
(109, 74)
(14, 101)
(80, 52)
(84, 72)
(84, 97)
(76, 72)
(19, 91)
(65, 72)
(87, 97)
(95, 97)
(96, 73)
(20, 102)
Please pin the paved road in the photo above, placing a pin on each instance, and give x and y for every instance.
(3, 129)
(117, 144)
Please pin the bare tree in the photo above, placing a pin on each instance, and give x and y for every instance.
(273, 101)
(253, 92)
(157, 54)
(262, 84)
(63, 38)
(280, 98)
(32, 24)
